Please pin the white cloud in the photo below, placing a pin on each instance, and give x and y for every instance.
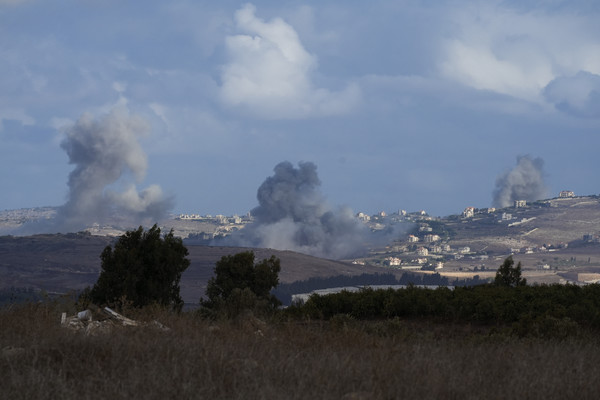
(15, 114)
(480, 68)
(119, 87)
(518, 53)
(269, 73)
(160, 111)
(578, 95)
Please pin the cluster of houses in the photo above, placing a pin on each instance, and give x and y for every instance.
(429, 238)
(539, 249)
(400, 216)
(430, 250)
(217, 219)
(427, 249)
(591, 238)
(469, 212)
(417, 263)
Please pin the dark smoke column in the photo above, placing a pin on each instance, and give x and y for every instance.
(524, 182)
(293, 215)
(290, 193)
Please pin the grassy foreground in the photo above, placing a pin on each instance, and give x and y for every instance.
(250, 359)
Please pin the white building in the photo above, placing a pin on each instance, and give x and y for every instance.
(363, 217)
(412, 239)
(393, 261)
(566, 194)
(425, 228)
(435, 249)
(422, 251)
(469, 212)
(431, 238)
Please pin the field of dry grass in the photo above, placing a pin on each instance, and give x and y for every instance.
(251, 359)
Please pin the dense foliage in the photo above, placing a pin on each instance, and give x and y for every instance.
(285, 291)
(508, 303)
(526, 309)
(143, 268)
(239, 283)
(509, 275)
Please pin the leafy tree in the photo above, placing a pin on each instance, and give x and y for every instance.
(239, 283)
(143, 268)
(509, 275)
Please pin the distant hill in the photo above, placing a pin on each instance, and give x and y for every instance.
(556, 240)
(57, 263)
(549, 222)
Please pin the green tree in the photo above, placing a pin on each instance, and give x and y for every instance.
(509, 275)
(143, 268)
(239, 283)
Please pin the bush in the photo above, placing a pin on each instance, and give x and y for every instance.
(142, 269)
(509, 275)
(241, 284)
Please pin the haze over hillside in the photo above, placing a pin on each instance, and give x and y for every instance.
(58, 263)
(557, 240)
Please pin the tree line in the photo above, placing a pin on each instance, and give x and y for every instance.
(284, 291)
(145, 268)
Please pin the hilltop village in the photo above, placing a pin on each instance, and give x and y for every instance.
(557, 240)
(553, 238)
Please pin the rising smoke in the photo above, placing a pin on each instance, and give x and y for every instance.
(524, 182)
(293, 215)
(106, 154)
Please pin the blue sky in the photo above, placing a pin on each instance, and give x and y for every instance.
(400, 104)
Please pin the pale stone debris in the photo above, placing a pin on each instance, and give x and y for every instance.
(84, 322)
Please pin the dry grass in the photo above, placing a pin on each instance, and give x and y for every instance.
(248, 359)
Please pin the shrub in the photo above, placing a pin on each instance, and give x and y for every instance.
(241, 284)
(142, 269)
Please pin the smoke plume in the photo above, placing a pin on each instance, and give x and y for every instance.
(293, 215)
(106, 154)
(524, 182)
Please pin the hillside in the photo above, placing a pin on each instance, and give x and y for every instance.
(552, 221)
(57, 263)
(547, 236)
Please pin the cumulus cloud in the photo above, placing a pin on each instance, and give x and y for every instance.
(269, 73)
(479, 67)
(293, 215)
(577, 95)
(518, 52)
(524, 182)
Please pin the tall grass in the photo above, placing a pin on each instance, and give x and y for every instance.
(249, 359)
